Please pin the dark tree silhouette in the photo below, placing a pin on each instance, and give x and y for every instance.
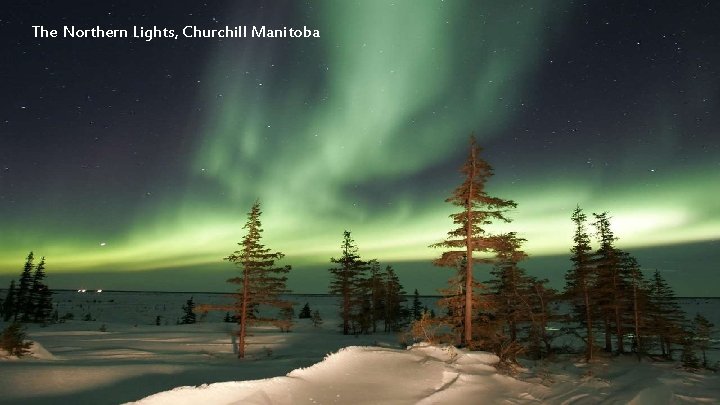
(12, 340)
(580, 279)
(417, 306)
(40, 295)
(703, 331)
(347, 282)
(305, 312)
(316, 319)
(24, 307)
(395, 312)
(188, 312)
(376, 288)
(611, 285)
(511, 286)
(665, 319)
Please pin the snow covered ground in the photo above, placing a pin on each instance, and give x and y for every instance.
(432, 375)
(123, 356)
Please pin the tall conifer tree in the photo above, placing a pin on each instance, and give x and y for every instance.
(417, 306)
(40, 295)
(665, 318)
(611, 286)
(395, 312)
(348, 282)
(511, 286)
(261, 282)
(23, 300)
(703, 331)
(580, 280)
(376, 286)
(478, 210)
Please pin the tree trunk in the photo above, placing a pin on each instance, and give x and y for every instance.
(243, 316)
(608, 334)
(619, 330)
(469, 256)
(346, 312)
(588, 323)
(543, 319)
(636, 316)
(616, 312)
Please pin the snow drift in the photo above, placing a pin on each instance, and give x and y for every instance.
(433, 375)
(422, 374)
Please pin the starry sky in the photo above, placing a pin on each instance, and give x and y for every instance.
(131, 164)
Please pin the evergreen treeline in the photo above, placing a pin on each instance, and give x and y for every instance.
(29, 300)
(611, 299)
(368, 295)
(611, 295)
(609, 303)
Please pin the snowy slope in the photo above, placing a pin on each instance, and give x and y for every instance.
(432, 375)
(372, 375)
(123, 356)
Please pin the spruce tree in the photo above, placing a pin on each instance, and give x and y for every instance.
(24, 307)
(376, 286)
(687, 356)
(703, 331)
(40, 295)
(580, 280)
(13, 340)
(417, 306)
(347, 281)
(665, 319)
(478, 210)
(485, 328)
(261, 282)
(541, 315)
(305, 312)
(189, 316)
(395, 312)
(511, 287)
(611, 285)
(362, 319)
(285, 318)
(316, 319)
(521, 302)
(640, 302)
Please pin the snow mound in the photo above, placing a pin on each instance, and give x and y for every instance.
(39, 352)
(427, 375)
(421, 374)
(36, 351)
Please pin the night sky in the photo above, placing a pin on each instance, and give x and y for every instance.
(132, 164)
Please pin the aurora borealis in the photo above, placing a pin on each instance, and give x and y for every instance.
(127, 156)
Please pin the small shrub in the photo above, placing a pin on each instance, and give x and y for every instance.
(427, 329)
(316, 319)
(13, 341)
(305, 312)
